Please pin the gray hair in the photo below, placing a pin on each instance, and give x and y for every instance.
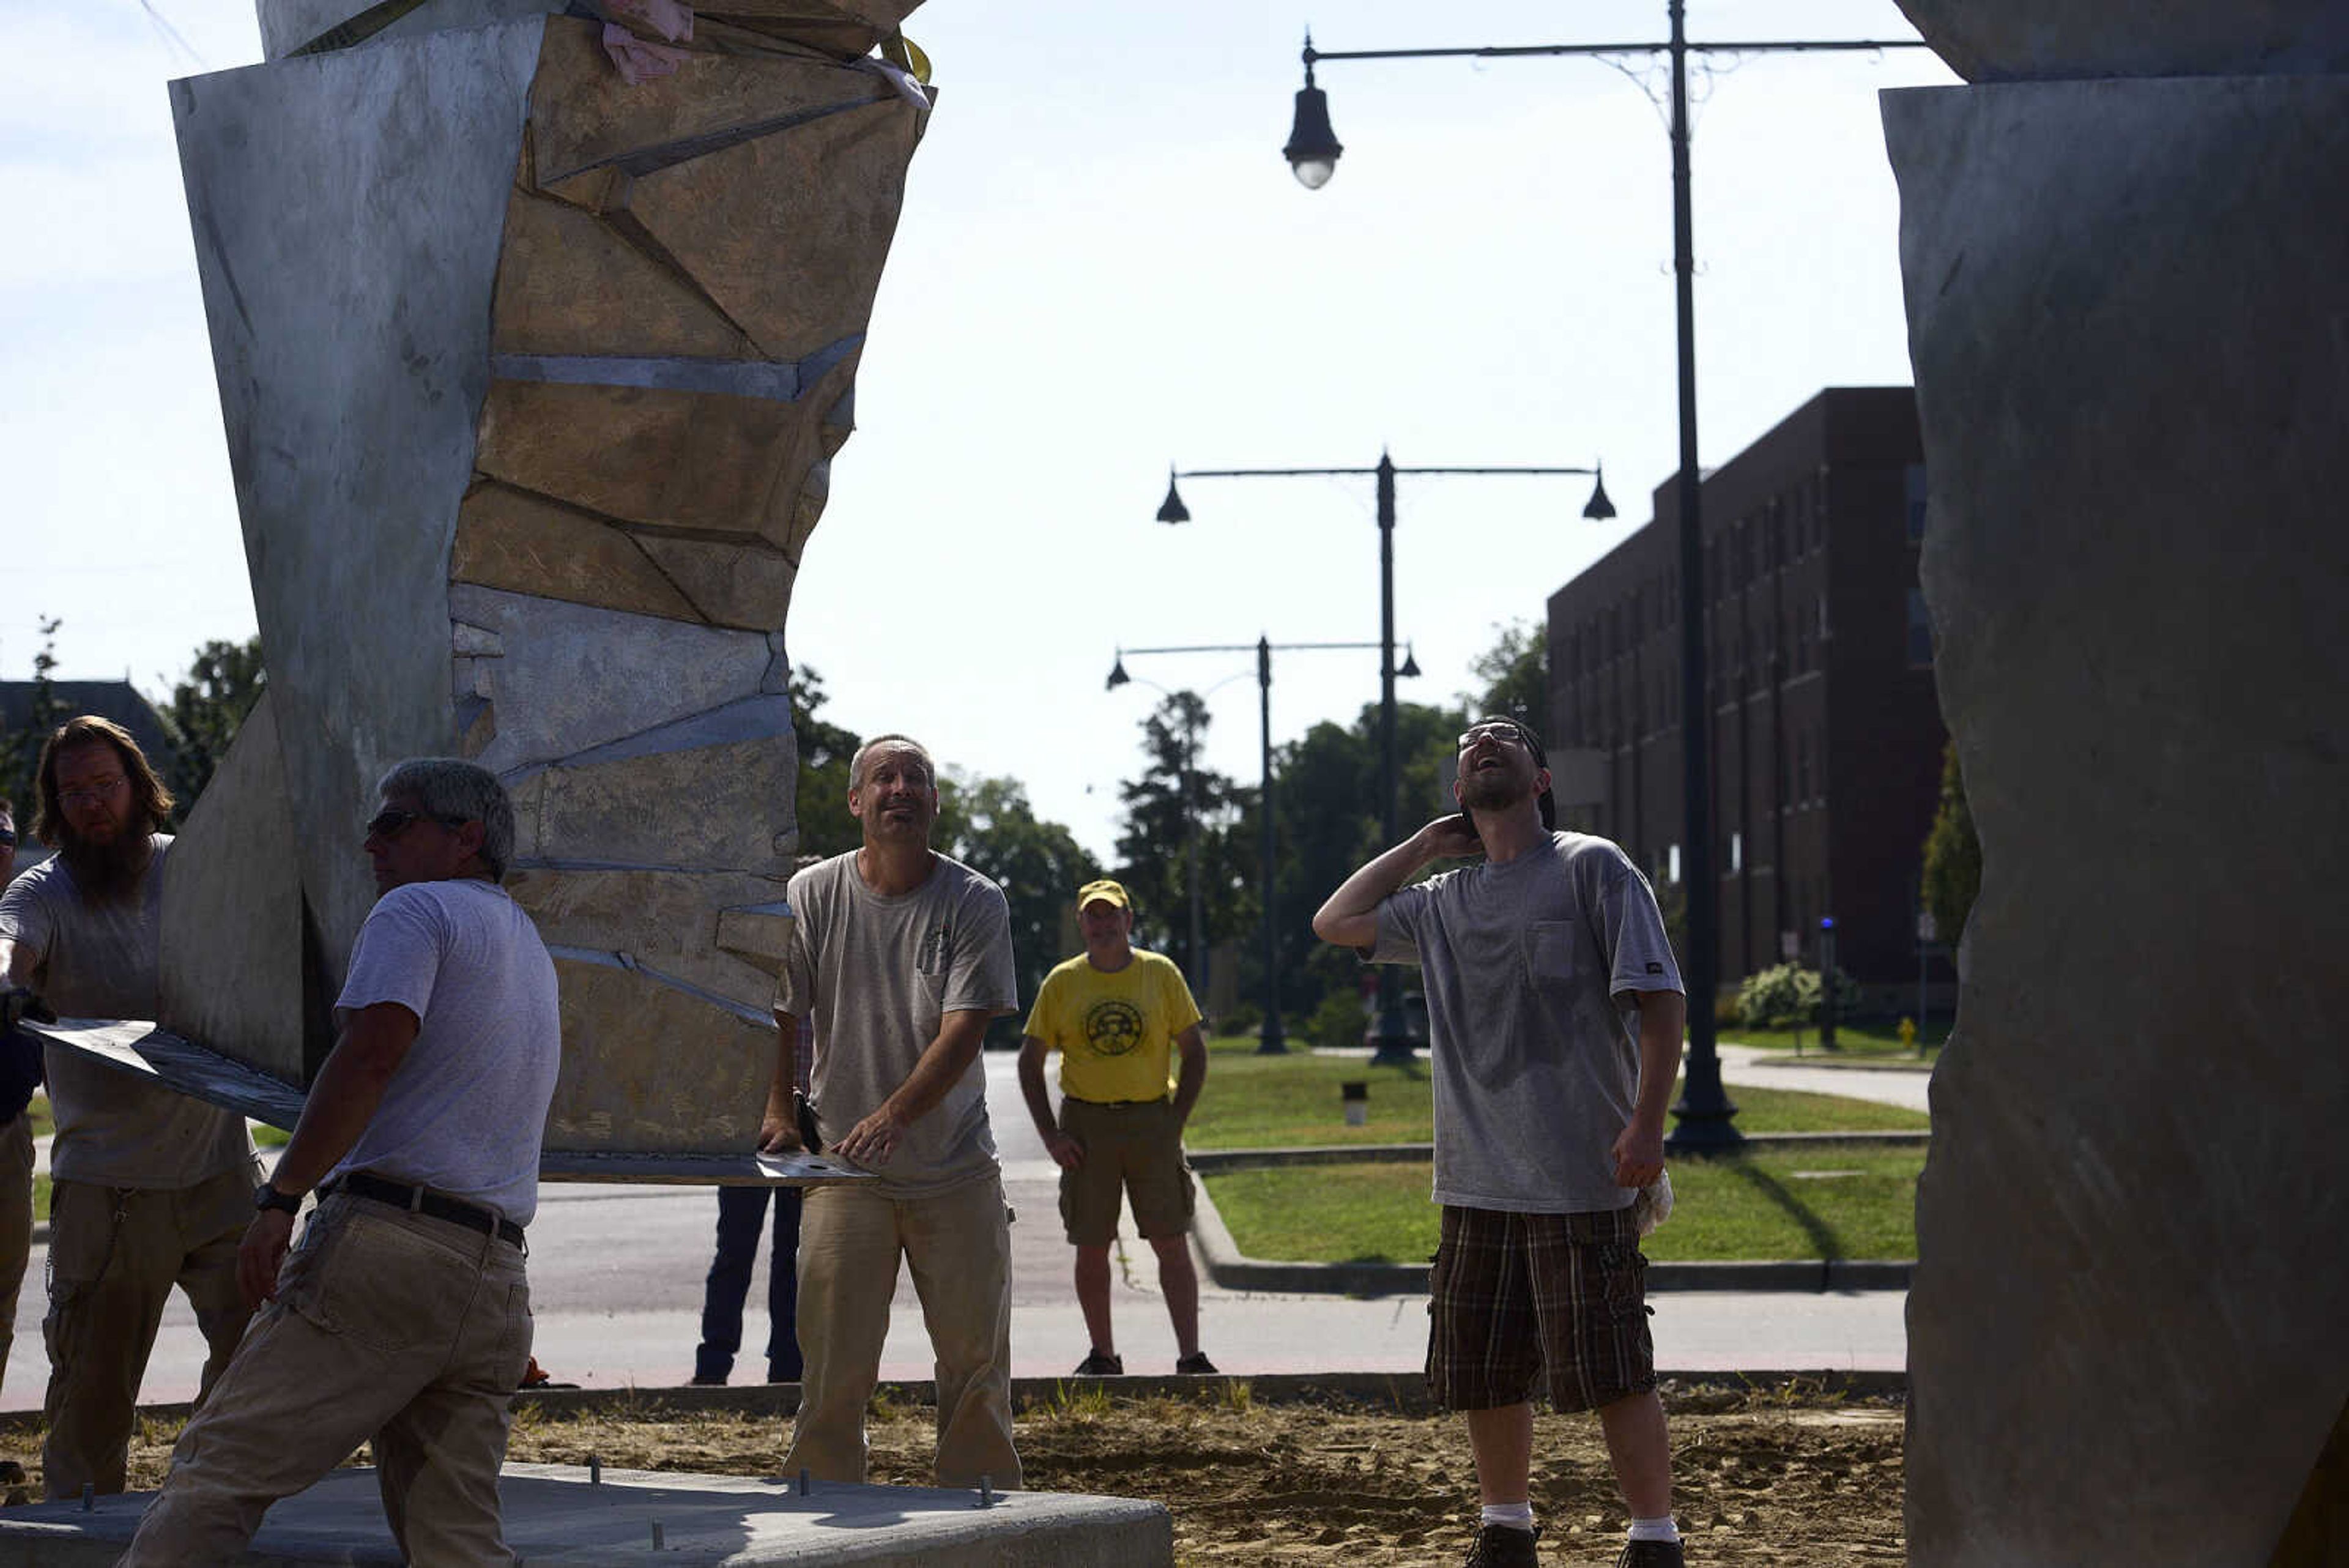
(890, 743)
(455, 790)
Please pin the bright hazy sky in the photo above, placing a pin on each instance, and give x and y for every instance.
(1103, 267)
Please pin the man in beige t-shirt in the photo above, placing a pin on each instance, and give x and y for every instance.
(151, 1188)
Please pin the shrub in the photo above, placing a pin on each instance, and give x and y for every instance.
(1338, 1021)
(1788, 996)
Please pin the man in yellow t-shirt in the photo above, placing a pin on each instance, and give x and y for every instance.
(1119, 1017)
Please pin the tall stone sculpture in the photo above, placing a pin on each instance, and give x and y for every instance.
(2125, 249)
(533, 365)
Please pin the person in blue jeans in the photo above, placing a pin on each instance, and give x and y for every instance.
(741, 1215)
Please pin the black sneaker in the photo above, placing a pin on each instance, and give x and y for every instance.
(1650, 1555)
(1195, 1365)
(1504, 1546)
(1096, 1365)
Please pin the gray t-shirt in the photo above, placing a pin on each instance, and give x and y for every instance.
(466, 1112)
(1535, 1067)
(878, 975)
(101, 963)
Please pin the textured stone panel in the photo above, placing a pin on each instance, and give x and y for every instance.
(2027, 41)
(664, 920)
(650, 1068)
(846, 29)
(232, 937)
(288, 25)
(715, 807)
(761, 933)
(680, 460)
(346, 213)
(569, 283)
(747, 586)
(787, 231)
(576, 676)
(524, 544)
(584, 116)
(2125, 314)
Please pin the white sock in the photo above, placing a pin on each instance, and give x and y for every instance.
(1516, 1515)
(1655, 1528)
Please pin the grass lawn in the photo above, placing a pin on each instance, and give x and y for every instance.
(1833, 1202)
(44, 1124)
(40, 1196)
(1876, 1038)
(1291, 1101)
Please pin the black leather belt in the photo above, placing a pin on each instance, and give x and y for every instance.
(424, 1200)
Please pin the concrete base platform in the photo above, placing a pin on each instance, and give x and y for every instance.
(554, 1514)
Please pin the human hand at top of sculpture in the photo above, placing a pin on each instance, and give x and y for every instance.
(670, 20)
(638, 58)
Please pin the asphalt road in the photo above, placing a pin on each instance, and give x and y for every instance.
(616, 1281)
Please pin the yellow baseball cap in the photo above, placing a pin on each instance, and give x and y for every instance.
(1113, 891)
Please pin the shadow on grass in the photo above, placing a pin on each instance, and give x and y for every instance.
(1822, 1235)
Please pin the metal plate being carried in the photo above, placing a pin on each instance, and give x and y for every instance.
(133, 1045)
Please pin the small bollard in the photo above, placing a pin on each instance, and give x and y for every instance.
(1357, 1098)
(807, 1483)
(595, 1471)
(985, 1493)
(658, 1545)
(88, 1496)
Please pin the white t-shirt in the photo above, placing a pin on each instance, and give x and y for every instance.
(466, 1112)
(1535, 1067)
(877, 975)
(100, 961)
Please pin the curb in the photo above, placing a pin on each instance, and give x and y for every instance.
(1215, 1161)
(1233, 1270)
(1836, 1063)
(1401, 1391)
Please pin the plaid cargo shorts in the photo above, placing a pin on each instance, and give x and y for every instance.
(1515, 1296)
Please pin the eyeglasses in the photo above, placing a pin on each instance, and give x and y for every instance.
(8, 838)
(391, 822)
(1502, 730)
(101, 790)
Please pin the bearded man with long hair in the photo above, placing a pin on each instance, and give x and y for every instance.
(151, 1188)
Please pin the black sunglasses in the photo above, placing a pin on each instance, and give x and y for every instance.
(391, 822)
(8, 838)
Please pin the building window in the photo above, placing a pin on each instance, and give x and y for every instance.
(1916, 482)
(1920, 631)
(1736, 854)
(1672, 864)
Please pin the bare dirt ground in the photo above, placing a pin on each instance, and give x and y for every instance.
(1763, 1480)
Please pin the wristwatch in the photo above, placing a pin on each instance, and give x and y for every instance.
(267, 1197)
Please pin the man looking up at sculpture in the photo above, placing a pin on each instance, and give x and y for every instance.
(1119, 1017)
(404, 1315)
(899, 956)
(1554, 1014)
(152, 1188)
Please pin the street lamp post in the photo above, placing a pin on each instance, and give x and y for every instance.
(1705, 1114)
(1391, 1036)
(1272, 1041)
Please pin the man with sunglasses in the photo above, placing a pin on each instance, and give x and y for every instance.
(1555, 1014)
(151, 1188)
(404, 1316)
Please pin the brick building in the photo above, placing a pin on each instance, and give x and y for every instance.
(1826, 735)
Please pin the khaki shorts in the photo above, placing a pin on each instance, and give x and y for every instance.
(1136, 1148)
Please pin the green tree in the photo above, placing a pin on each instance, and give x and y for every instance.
(1513, 676)
(1039, 865)
(223, 682)
(1155, 846)
(825, 824)
(20, 749)
(1953, 861)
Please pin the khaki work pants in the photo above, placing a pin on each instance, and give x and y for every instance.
(388, 1324)
(114, 1252)
(958, 1245)
(16, 1223)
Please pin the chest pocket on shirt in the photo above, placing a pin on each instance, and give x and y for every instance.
(1553, 953)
